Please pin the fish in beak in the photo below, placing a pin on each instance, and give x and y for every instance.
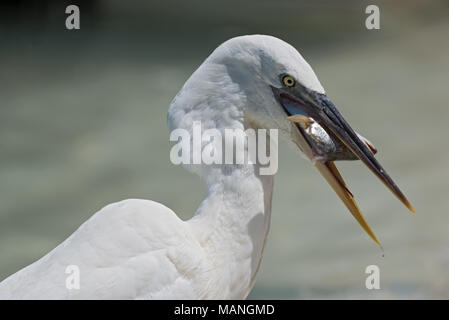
(324, 136)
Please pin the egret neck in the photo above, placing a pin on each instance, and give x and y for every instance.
(232, 224)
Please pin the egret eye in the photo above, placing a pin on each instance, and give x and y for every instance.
(288, 81)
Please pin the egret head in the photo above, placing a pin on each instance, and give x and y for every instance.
(256, 65)
(266, 82)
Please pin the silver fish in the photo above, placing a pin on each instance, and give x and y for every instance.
(325, 146)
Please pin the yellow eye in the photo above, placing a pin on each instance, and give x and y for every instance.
(288, 81)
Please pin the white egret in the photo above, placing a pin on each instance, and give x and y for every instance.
(140, 249)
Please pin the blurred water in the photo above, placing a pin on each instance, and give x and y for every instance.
(79, 132)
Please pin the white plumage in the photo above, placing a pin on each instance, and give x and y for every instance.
(140, 249)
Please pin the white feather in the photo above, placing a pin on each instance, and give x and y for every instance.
(140, 249)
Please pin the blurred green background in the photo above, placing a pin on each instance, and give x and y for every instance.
(83, 124)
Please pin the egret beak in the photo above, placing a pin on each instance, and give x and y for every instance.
(302, 106)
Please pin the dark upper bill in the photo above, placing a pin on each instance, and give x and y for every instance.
(301, 104)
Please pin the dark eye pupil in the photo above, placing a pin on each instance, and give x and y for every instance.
(289, 81)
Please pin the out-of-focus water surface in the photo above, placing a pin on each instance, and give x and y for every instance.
(83, 124)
